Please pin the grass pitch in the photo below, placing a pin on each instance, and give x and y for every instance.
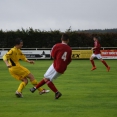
(85, 93)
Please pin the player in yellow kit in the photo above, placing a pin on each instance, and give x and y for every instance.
(11, 58)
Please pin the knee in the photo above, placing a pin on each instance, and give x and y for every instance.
(25, 80)
(90, 59)
(45, 79)
(101, 60)
(31, 77)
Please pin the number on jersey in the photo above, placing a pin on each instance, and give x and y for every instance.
(64, 56)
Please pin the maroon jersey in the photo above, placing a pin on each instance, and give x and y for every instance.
(98, 46)
(61, 53)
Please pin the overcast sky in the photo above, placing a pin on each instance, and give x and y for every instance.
(58, 14)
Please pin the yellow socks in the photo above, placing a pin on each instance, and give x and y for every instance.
(21, 87)
(23, 84)
(34, 82)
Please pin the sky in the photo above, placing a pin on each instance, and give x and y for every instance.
(58, 14)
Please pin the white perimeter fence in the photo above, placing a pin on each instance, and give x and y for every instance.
(77, 52)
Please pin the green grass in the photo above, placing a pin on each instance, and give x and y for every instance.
(85, 93)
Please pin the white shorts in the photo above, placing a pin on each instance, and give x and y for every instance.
(51, 73)
(97, 56)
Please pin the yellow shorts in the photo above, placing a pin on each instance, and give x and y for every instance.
(19, 72)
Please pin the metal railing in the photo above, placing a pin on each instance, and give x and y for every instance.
(74, 48)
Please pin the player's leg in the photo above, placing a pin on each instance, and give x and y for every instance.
(34, 82)
(50, 85)
(21, 87)
(48, 77)
(48, 82)
(24, 72)
(92, 62)
(17, 74)
(104, 62)
(53, 88)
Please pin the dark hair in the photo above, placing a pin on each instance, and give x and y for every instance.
(97, 37)
(17, 41)
(65, 37)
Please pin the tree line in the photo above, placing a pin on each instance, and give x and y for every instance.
(35, 38)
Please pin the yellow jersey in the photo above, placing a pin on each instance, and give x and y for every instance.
(13, 56)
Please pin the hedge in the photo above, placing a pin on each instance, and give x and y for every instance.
(46, 39)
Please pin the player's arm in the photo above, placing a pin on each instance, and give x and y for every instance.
(53, 53)
(7, 63)
(30, 61)
(93, 48)
(96, 46)
(6, 57)
(23, 57)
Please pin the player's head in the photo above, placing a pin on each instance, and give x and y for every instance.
(65, 38)
(95, 38)
(18, 43)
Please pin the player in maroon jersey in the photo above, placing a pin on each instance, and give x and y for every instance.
(61, 53)
(97, 54)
